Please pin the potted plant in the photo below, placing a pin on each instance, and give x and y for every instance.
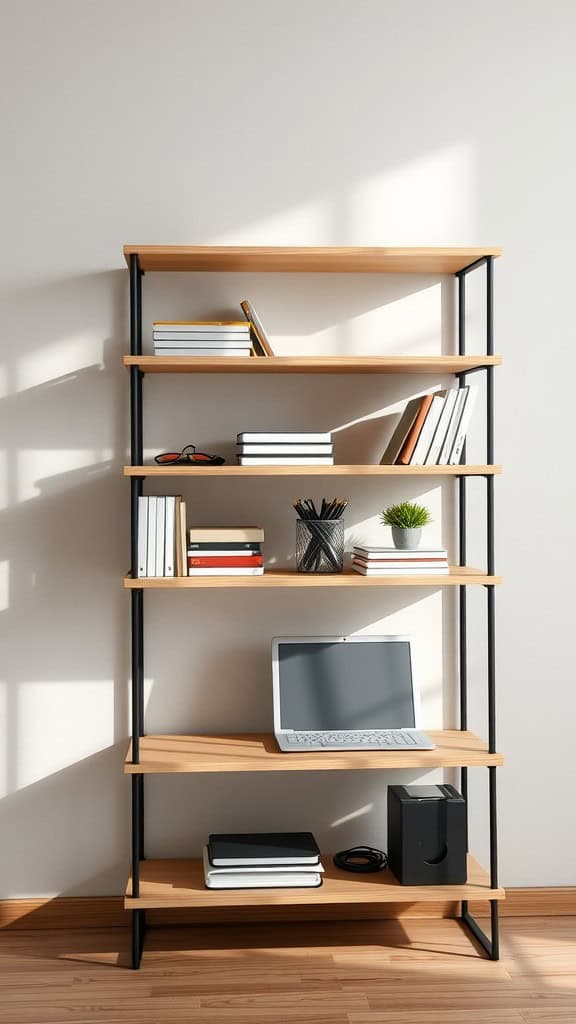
(406, 520)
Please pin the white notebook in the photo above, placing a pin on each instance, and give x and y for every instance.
(279, 877)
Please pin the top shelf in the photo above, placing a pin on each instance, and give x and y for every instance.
(306, 259)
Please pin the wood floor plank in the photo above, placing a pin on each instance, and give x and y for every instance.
(413, 971)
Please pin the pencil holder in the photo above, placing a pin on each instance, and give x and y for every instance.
(320, 545)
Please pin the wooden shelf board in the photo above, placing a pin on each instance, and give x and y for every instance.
(311, 364)
(259, 752)
(459, 576)
(180, 883)
(307, 259)
(231, 470)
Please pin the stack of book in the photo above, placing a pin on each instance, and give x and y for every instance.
(226, 551)
(432, 429)
(201, 338)
(161, 535)
(275, 448)
(378, 561)
(277, 860)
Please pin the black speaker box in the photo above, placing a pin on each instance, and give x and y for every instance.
(427, 835)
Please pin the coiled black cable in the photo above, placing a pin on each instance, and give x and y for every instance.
(361, 859)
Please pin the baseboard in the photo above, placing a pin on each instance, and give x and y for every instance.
(108, 911)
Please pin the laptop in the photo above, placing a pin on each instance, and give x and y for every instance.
(346, 693)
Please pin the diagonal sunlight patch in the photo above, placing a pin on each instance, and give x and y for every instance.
(359, 813)
(60, 723)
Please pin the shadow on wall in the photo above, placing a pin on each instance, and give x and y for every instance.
(64, 539)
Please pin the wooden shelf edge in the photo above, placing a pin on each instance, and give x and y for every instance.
(311, 364)
(339, 470)
(180, 883)
(458, 577)
(257, 752)
(308, 259)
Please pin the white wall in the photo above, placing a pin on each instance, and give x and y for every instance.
(268, 122)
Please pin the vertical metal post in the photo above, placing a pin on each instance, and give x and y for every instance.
(137, 606)
(462, 610)
(494, 921)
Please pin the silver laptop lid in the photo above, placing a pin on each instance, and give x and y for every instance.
(328, 684)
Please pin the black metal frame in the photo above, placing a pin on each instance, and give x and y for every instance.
(489, 944)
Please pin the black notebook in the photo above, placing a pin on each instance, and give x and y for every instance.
(254, 849)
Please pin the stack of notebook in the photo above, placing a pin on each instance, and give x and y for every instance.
(284, 448)
(276, 860)
(201, 338)
(432, 429)
(379, 561)
(225, 551)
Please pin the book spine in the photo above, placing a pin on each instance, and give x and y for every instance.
(228, 353)
(453, 426)
(412, 439)
(285, 460)
(142, 535)
(182, 538)
(456, 453)
(169, 528)
(427, 433)
(160, 533)
(151, 552)
(202, 535)
(234, 547)
(442, 428)
(224, 562)
(280, 451)
(228, 339)
(269, 437)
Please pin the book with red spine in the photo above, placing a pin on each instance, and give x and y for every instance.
(224, 562)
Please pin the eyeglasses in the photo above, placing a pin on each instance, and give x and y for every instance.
(188, 457)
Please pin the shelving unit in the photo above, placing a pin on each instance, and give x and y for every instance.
(179, 883)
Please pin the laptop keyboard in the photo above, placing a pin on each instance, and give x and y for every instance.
(375, 739)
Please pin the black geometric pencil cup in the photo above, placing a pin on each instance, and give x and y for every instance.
(320, 545)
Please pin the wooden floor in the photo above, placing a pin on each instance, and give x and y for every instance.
(392, 972)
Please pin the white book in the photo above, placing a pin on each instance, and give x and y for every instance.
(163, 339)
(285, 460)
(285, 449)
(160, 534)
(373, 563)
(169, 536)
(442, 428)
(142, 534)
(249, 571)
(211, 352)
(237, 553)
(151, 553)
(453, 426)
(260, 878)
(182, 537)
(282, 437)
(400, 553)
(463, 426)
(428, 430)
(438, 571)
(208, 326)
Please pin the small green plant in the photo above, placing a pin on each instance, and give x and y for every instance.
(406, 516)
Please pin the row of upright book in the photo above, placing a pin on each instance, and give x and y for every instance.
(164, 549)
(212, 338)
(277, 860)
(432, 429)
(285, 448)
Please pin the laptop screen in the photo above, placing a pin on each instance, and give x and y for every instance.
(346, 685)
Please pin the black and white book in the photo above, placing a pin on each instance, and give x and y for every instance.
(255, 849)
(438, 570)
(253, 570)
(271, 877)
(225, 547)
(399, 554)
(232, 339)
(160, 534)
(213, 353)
